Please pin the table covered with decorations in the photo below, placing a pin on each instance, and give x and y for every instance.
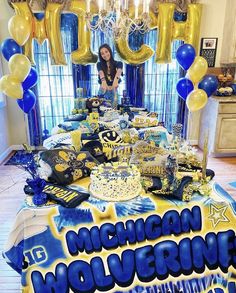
(146, 244)
(116, 203)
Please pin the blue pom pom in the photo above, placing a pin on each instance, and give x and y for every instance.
(37, 184)
(40, 199)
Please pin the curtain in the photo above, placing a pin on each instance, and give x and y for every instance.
(160, 82)
(55, 90)
(135, 74)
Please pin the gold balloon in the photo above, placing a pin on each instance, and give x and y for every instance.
(193, 25)
(132, 57)
(198, 69)
(196, 100)
(83, 55)
(3, 83)
(46, 28)
(52, 24)
(19, 66)
(165, 21)
(49, 28)
(141, 55)
(11, 87)
(170, 30)
(19, 29)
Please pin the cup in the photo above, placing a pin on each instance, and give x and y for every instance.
(177, 130)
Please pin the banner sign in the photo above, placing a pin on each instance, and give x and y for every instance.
(148, 244)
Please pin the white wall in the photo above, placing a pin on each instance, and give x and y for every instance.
(12, 118)
(212, 25)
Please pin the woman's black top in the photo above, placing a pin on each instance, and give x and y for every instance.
(108, 77)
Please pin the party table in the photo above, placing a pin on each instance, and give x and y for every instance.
(148, 244)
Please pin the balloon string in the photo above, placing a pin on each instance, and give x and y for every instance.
(26, 126)
(190, 118)
(187, 88)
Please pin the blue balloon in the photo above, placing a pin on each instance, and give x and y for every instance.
(27, 102)
(185, 56)
(209, 84)
(9, 48)
(184, 87)
(31, 79)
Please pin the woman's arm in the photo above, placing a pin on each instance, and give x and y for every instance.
(102, 77)
(116, 79)
(103, 80)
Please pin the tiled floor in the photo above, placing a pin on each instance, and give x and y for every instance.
(12, 180)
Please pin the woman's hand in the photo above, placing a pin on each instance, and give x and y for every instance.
(115, 84)
(104, 86)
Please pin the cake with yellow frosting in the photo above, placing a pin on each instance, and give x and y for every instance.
(115, 182)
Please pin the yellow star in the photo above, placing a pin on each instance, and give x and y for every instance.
(217, 214)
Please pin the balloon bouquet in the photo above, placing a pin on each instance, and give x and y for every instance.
(195, 88)
(22, 76)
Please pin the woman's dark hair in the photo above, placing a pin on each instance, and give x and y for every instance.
(104, 63)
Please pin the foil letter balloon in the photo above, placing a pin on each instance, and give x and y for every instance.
(122, 44)
(133, 57)
(46, 28)
(83, 55)
(170, 30)
(19, 28)
(11, 87)
(165, 21)
(196, 100)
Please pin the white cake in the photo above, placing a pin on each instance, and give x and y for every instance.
(115, 182)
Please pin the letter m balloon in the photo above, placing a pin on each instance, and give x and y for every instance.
(46, 28)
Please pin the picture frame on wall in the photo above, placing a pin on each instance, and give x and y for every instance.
(208, 50)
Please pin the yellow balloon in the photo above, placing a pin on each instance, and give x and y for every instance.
(19, 29)
(169, 29)
(11, 87)
(196, 100)
(46, 28)
(83, 55)
(3, 83)
(198, 69)
(19, 66)
(53, 23)
(129, 56)
(132, 57)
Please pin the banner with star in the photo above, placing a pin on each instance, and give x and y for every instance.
(148, 244)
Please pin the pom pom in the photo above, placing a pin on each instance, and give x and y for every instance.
(40, 199)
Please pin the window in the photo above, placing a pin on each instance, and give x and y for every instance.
(55, 84)
(160, 84)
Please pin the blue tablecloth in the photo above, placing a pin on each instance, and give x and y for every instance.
(148, 244)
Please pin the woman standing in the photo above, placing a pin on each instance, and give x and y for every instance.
(109, 71)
